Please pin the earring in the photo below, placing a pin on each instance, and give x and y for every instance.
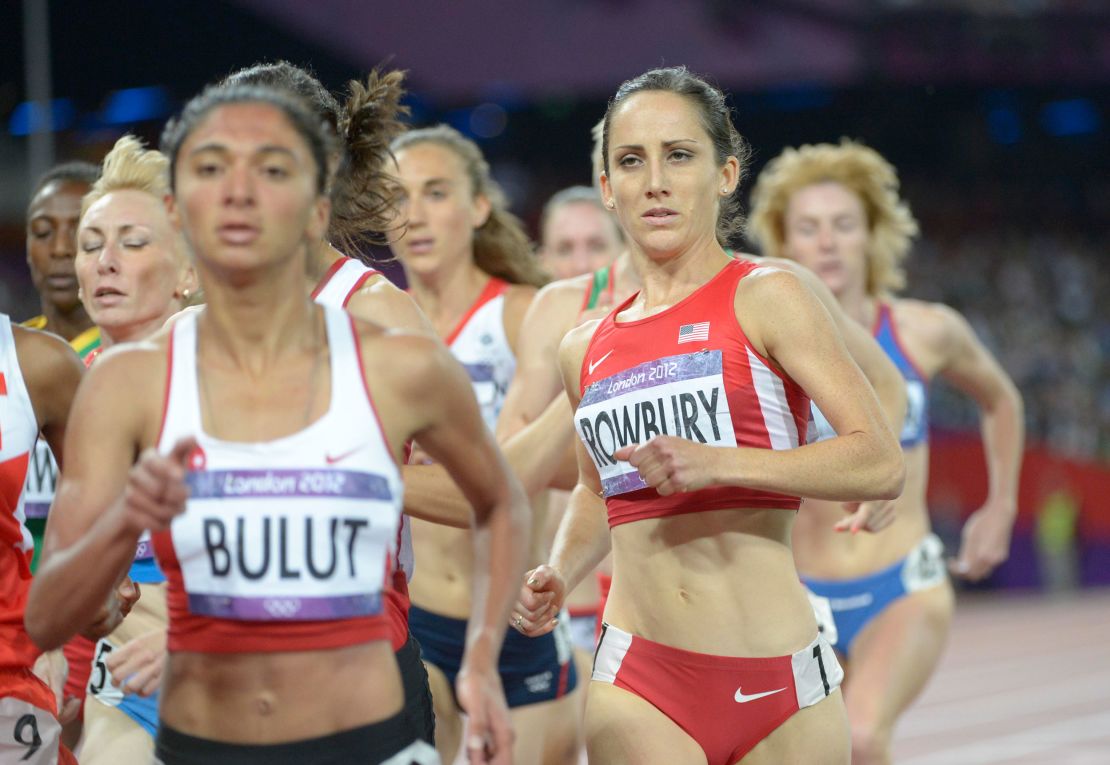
(185, 294)
(724, 189)
(610, 204)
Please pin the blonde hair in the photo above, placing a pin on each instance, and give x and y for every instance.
(861, 170)
(597, 155)
(130, 166)
(501, 246)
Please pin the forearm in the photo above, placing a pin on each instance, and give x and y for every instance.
(72, 585)
(500, 544)
(852, 467)
(1003, 430)
(582, 541)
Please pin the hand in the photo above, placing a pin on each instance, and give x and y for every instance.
(985, 542)
(51, 667)
(489, 732)
(669, 464)
(156, 492)
(139, 662)
(541, 599)
(867, 516)
(119, 605)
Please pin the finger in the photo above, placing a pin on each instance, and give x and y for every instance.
(68, 712)
(141, 480)
(502, 740)
(624, 454)
(958, 567)
(135, 681)
(843, 524)
(182, 451)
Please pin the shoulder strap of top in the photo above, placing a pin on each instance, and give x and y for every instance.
(181, 406)
(600, 282)
(348, 385)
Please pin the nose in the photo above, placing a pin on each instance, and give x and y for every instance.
(825, 238)
(412, 211)
(64, 242)
(239, 185)
(658, 183)
(107, 262)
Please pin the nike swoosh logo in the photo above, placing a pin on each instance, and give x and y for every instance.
(742, 699)
(594, 364)
(331, 460)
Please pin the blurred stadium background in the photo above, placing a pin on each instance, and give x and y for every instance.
(997, 115)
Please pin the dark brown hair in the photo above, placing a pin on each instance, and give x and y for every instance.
(716, 119)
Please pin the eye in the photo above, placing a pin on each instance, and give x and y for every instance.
(277, 172)
(42, 231)
(207, 169)
(92, 245)
(629, 160)
(681, 155)
(135, 244)
(437, 194)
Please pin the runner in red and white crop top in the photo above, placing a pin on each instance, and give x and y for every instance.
(29, 730)
(688, 371)
(284, 545)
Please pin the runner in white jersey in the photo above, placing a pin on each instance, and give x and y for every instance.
(250, 167)
(38, 377)
(470, 268)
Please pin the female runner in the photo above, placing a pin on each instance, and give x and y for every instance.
(134, 273)
(259, 399)
(692, 407)
(836, 210)
(38, 379)
(471, 270)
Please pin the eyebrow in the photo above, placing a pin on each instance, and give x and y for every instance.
(671, 142)
(438, 182)
(222, 149)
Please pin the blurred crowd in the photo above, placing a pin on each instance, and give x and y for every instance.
(1037, 298)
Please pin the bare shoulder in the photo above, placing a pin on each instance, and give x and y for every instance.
(770, 283)
(936, 324)
(381, 301)
(411, 361)
(563, 298)
(42, 353)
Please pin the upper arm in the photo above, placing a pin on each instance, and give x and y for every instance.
(52, 372)
(537, 379)
(383, 303)
(967, 363)
(787, 323)
(572, 351)
(115, 414)
(432, 393)
(517, 299)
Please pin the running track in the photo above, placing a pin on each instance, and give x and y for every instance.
(1025, 680)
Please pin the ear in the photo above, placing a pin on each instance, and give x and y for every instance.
(607, 191)
(482, 210)
(319, 218)
(730, 176)
(171, 210)
(187, 282)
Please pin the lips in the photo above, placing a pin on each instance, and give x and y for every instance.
(62, 281)
(659, 216)
(420, 245)
(105, 297)
(238, 233)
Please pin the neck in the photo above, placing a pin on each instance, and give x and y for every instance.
(255, 321)
(447, 293)
(624, 269)
(859, 305)
(67, 324)
(139, 330)
(670, 279)
(320, 257)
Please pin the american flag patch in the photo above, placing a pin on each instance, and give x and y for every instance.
(692, 333)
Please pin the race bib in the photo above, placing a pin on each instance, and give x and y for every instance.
(822, 611)
(680, 396)
(916, 399)
(42, 480)
(287, 544)
(102, 686)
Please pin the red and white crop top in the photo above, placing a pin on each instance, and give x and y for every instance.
(284, 545)
(687, 371)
